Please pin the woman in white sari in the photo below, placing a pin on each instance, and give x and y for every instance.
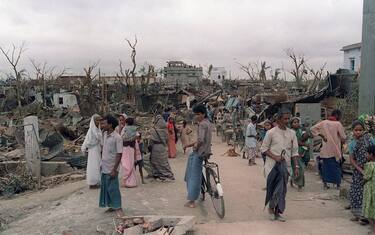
(92, 145)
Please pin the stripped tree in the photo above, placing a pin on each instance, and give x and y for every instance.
(251, 70)
(275, 74)
(299, 66)
(263, 69)
(132, 56)
(13, 57)
(87, 103)
(147, 72)
(43, 73)
(124, 75)
(317, 76)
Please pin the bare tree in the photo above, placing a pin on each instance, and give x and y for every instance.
(132, 56)
(13, 57)
(263, 69)
(317, 75)
(124, 75)
(251, 70)
(40, 73)
(87, 105)
(44, 73)
(275, 74)
(299, 66)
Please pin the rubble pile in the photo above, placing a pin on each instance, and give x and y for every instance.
(63, 124)
(16, 182)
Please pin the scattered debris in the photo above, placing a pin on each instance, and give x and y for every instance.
(153, 225)
(16, 182)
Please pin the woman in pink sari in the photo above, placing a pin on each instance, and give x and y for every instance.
(130, 154)
(172, 138)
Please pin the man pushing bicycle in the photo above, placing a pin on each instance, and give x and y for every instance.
(201, 149)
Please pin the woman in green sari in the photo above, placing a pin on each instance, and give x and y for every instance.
(301, 137)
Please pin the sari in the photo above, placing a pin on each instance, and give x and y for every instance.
(359, 153)
(159, 156)
(129, 156)
(172, 149)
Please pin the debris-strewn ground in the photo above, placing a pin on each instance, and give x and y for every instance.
(74, 207)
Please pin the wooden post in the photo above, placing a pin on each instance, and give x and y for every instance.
(32, 154)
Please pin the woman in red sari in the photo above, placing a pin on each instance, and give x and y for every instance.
(172, 138)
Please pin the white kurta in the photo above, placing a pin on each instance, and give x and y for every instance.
(92, 144)
(277, 140)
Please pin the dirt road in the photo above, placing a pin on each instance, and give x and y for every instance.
(74, 207)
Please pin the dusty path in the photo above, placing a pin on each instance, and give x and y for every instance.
(76, 208)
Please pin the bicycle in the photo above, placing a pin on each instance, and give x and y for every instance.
(211, 185)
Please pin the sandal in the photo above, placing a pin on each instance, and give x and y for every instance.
(364, 221)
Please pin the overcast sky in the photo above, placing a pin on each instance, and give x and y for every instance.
(75, 33)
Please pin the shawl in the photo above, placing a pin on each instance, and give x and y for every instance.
(93, 136)
(159, 132)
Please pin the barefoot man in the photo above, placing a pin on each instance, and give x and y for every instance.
(111, 156)
(279, 145)
(201, 149)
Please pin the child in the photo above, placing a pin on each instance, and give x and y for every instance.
(110, 195)
(139, 150)
(369, 188)
(267, 125)
(251, 140)
(300, 179)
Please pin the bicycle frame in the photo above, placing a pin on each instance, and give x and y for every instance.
(214, 166)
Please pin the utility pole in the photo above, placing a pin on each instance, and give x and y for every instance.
(367, 75)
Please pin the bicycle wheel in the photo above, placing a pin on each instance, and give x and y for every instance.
(203, 188)
(215, 193)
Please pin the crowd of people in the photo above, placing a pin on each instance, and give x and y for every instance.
(284, 144)
(115, 148)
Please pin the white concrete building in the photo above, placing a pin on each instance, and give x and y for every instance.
(218, 74)
(64, 100)
(352, 56)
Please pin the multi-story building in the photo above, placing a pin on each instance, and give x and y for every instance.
(352, 56)
(177, 72)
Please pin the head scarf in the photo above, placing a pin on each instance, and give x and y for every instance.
(120, 128)
(295, 118)
(159, 122)
(159, 133)
(93, 136)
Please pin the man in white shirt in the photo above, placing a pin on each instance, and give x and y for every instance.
(251, 141)
(280, 145)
